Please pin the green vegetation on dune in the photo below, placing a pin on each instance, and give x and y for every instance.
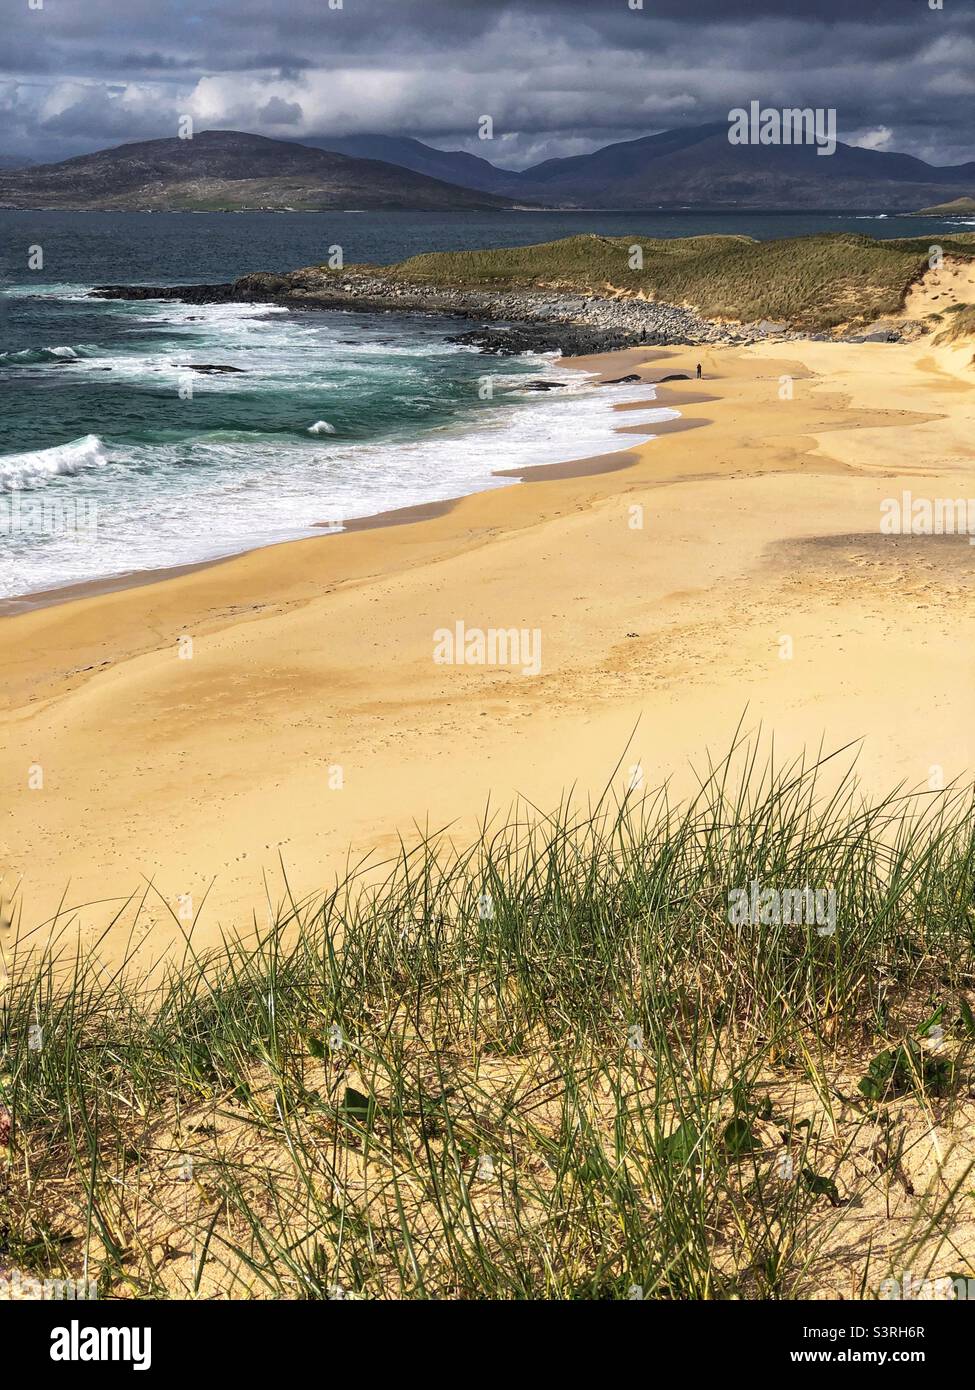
(812, 282)
(960, 324)
(551, 1066)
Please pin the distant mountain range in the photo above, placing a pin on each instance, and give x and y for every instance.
(229, 170)
(691, 168)
(696, 167)
(453, 166)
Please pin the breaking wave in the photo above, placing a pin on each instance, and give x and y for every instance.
(61, 460)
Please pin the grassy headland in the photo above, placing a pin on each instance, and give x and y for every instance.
(631, 290)
(957, 207)
(550, 1066)
(811, 282)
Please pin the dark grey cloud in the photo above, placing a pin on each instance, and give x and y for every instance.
(278, 112)
(557, 76)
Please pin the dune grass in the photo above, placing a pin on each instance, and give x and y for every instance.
(960, 324)
(811, 282)
(549, 1066)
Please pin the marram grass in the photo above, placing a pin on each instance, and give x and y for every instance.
(812, 282)
(549, 1066)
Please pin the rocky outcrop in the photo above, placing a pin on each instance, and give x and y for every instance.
(510, 321)
(187, 294)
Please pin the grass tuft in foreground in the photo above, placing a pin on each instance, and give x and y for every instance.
(549, 1066)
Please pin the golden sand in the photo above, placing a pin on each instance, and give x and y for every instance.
(311, 726)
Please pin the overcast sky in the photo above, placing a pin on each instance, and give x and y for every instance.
(557, 76)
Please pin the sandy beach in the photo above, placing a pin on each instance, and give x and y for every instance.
(284, 708)
(487, 634)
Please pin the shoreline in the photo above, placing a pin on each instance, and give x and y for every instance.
(201, 777)
(35, 599)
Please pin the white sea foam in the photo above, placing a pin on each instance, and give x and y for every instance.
(60, 460)
(189, 497)
(33, 289)
(222, 492)
(178, 311)
(31, 356)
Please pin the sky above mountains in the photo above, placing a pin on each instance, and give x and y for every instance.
(557, 77)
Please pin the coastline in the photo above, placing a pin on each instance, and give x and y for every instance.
(32, 600)
(310, 657)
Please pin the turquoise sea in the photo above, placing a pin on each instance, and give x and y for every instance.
(115, 456)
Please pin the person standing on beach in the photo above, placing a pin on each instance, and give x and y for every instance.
(699, 371)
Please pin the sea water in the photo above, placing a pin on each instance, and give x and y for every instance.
(328, 415)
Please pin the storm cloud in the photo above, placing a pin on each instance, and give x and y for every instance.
(557, 77)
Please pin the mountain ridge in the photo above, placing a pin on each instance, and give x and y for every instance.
(691, 167)
(696, 166)
(228, 169)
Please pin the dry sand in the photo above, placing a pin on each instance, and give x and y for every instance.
(761, 523)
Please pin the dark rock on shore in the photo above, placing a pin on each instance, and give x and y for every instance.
(882, 335)
(623, 380)
(186, 294)
(207, 367)
(674, 376)
(571, 339)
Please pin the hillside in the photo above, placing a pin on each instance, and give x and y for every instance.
(697, 167)
(700, 167)
(225, 169)
(957, 207)
(694, 167)
(455, 166)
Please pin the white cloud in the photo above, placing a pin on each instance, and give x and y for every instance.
(877, 139)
